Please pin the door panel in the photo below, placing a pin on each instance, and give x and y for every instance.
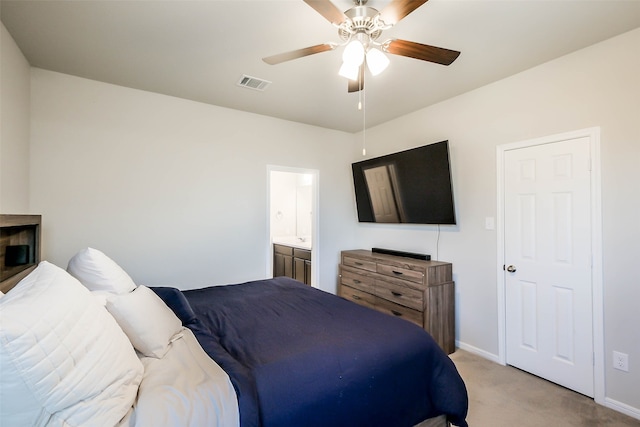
(381, 191)
(529, 306)
(547, 242)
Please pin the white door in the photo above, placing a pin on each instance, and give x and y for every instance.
(548, 278)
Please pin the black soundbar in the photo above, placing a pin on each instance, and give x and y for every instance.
(413, 255)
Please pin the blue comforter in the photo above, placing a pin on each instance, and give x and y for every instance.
(298, 356)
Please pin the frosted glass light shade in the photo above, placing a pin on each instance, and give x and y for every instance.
(349, 71)
(353, 53)
(376, 61)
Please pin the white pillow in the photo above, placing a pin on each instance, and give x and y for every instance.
(101, 297)
(64, 359)
(98, 272)
(150, 325)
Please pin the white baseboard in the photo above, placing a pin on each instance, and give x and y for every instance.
(478, 351)
(622, 407)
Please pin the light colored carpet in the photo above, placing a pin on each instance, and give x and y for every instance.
(503, 396)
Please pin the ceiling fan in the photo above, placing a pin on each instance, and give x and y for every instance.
(359, 28)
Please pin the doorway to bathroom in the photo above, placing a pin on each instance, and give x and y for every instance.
(293, 223)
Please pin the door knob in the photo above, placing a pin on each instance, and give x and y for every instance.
(511, 269)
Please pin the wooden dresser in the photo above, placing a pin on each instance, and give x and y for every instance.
(419, 291)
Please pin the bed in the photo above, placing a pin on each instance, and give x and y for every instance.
(265, 353)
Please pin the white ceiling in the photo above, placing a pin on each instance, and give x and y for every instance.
(199, 50)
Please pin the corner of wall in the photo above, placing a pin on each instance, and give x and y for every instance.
(15, 106)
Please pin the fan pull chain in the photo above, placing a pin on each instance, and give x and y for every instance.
(364, 123)
(359, 93)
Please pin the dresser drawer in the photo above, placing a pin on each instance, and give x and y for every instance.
(354, 279)
(413, 316)
(357, 296)
(359, 263)
(415, 276)
(400, 294)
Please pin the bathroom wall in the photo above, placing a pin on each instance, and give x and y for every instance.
(291, 204)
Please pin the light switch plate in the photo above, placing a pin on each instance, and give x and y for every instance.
(489, 223)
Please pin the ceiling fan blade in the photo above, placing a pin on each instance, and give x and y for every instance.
(328, 10)
(358, 84)
(398, 9)
(299, 53)
(421, 51)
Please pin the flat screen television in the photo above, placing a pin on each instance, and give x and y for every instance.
(411, 186)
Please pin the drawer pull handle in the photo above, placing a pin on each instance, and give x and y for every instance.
(396, 313)
(358, 263)
(399, 273)
(356, 281)
(396, 294)
(355, 297)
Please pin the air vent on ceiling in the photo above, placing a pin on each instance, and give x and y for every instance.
(253, 83)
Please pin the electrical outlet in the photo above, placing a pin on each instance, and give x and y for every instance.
(621, 361)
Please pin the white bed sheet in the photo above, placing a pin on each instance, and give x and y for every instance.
(185, 388)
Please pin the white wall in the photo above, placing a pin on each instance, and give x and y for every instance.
(304, 205)
(283, 203)
(597, 86)
(173, 190)
(15, 81)
(291, 204)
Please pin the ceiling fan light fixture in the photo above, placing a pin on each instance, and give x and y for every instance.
(353, 53)
(377, 61)
(349, 71)
(359, 28)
